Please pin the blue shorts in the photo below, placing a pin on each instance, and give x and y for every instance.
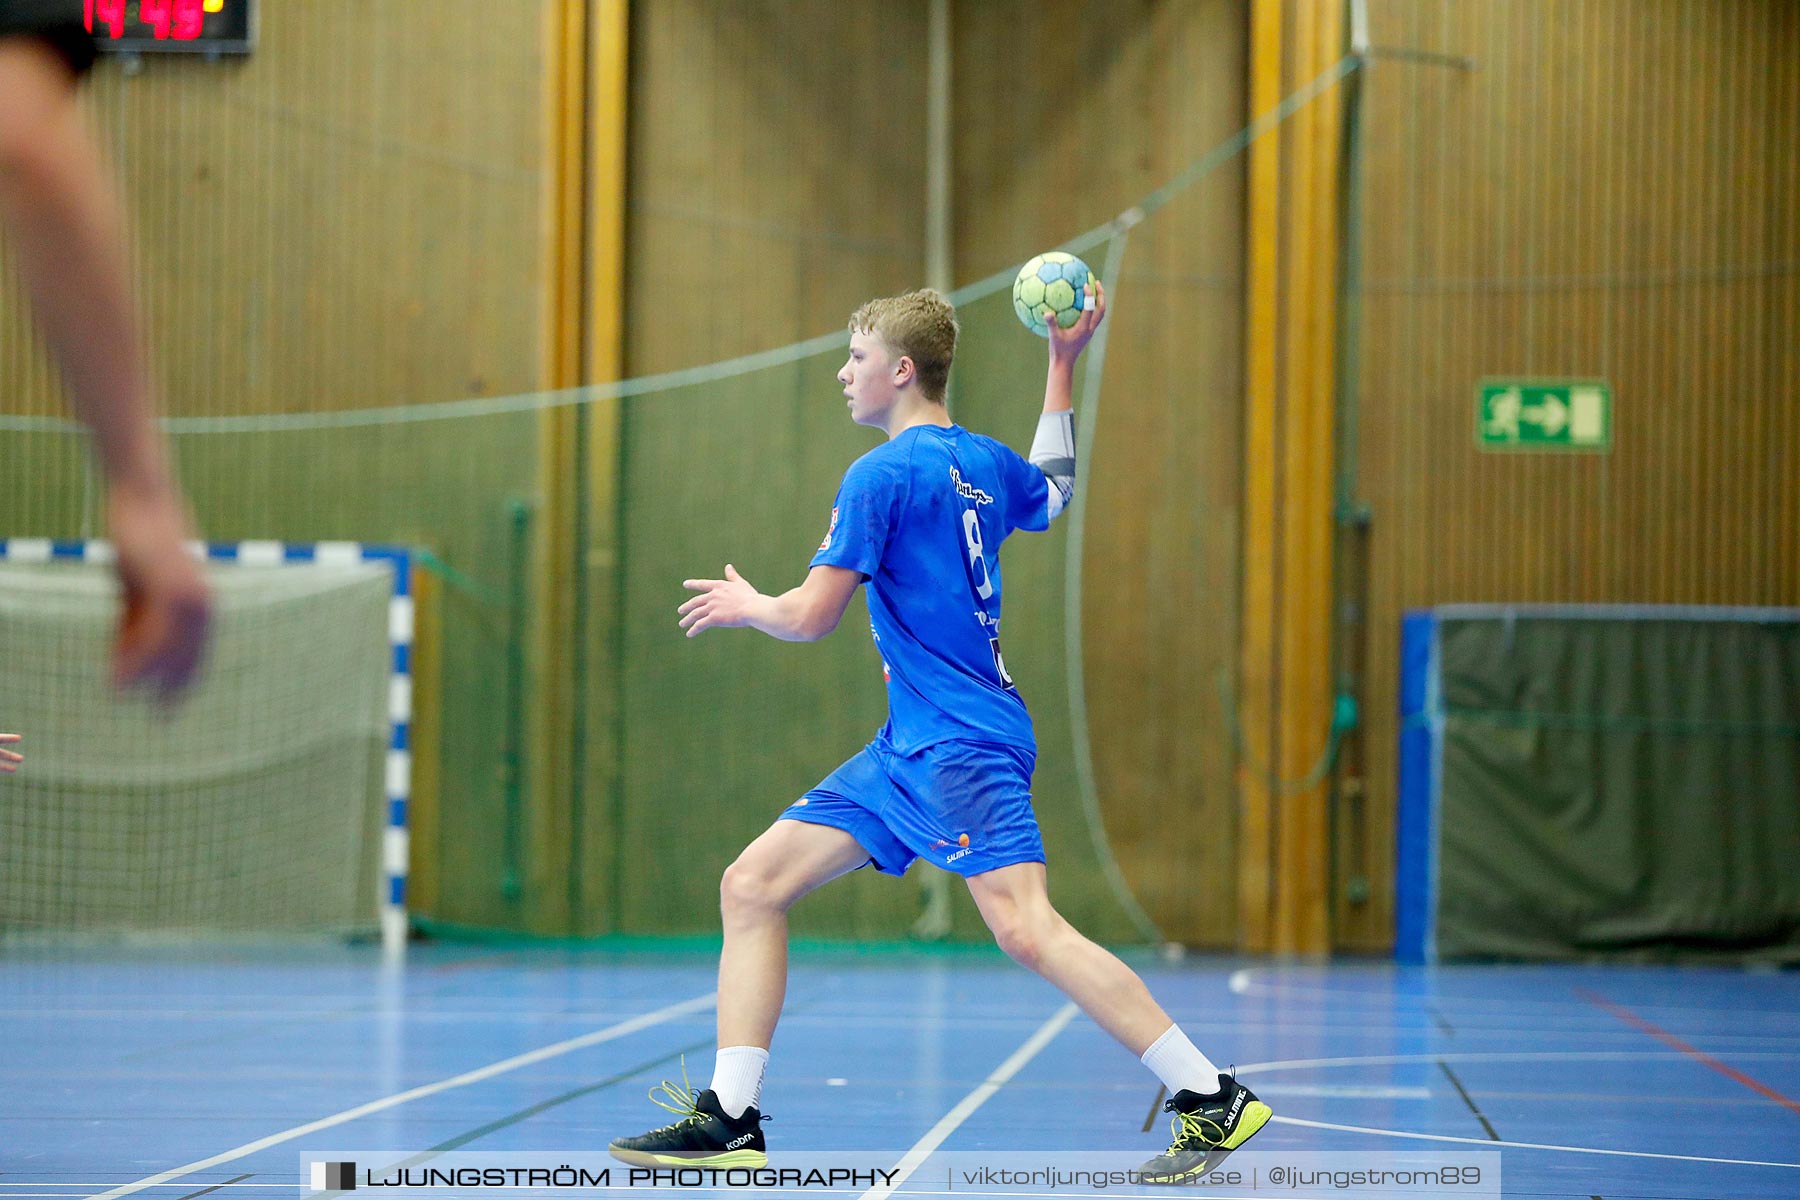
(962, 806)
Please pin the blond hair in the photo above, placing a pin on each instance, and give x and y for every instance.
(919, 325)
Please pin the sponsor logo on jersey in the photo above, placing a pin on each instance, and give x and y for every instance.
(833, 529)
(969, 491)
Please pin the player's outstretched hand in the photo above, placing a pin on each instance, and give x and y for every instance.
(9, 759)
(724, 603)
(162, 631)
(1066, 345)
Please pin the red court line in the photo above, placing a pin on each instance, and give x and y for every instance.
(1664, 1036)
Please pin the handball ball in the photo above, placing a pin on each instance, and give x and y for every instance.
(1054, 281)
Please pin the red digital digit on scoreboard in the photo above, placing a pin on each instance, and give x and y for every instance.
(155, 14)
(111, 14)
(190, 19)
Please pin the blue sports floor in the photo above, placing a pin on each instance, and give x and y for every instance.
(180, 1073)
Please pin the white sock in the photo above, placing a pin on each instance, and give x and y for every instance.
(738, 1077)
(1180, 1065)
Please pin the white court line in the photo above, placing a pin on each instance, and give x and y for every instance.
(1327, 1091)
(1381, 1060)
(923, 1148)
(1242, 982)
(608, 1034)
(1300, 1064)
(1475, 1141)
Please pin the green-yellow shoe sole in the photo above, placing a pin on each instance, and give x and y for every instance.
(1255, 1115)
(728, 1158)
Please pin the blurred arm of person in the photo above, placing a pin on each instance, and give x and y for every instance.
(9, 759)
(66, 229)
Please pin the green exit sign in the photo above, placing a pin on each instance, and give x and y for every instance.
(1542, 414)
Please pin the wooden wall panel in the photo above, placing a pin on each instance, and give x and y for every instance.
(776, 175)
(347, 217)
(350, 217)
(776, 151)
(777, 166)
(353, 216)
(1609, 193)
(1065, 114)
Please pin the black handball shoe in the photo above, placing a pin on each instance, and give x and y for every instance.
(703, 1137)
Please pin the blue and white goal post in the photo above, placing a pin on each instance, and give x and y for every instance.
(395, 850)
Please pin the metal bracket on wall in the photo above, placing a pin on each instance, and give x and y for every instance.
(1362, 49)
(1459, 62)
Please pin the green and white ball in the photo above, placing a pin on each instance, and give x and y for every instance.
(1054, 281)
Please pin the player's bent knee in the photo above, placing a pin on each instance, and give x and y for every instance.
(1022, 940)
(746, 891)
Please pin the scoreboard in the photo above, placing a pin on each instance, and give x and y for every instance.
(172, 26)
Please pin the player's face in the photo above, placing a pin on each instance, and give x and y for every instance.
(868, 379)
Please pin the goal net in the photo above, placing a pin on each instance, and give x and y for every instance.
(256, 806)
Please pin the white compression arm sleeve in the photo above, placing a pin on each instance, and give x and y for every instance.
(1053, 453)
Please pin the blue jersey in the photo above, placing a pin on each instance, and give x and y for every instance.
(922, 518)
